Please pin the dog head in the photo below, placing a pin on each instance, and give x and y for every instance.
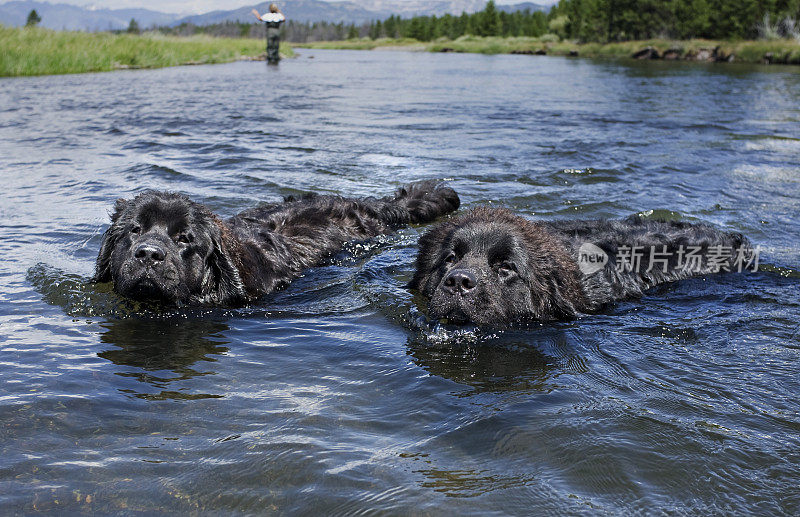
(163, 247)
(492, 267)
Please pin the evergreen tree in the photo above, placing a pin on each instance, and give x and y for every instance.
(536, 26)
(133, 27)
(416, 29)
(33, 19)
(390, 27)
(376, 30)
(697, 16)
(488, 22)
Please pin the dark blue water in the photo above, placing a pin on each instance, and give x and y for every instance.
(334, 396)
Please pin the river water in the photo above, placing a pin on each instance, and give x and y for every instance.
(335, 396)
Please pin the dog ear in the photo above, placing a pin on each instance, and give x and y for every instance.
(565, 296)
(556, 291)
(102, 271)
(222, 281)
(119, 208)
(430, 250)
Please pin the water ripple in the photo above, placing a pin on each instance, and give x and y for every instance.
(337, 395)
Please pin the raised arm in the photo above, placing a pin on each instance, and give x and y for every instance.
(255, 13)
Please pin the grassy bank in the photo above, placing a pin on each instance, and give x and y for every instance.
(782, 51)
(36, 51)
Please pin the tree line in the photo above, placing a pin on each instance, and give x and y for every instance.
(622, 20)
(488, 22)
(589, 21)
(611, 20)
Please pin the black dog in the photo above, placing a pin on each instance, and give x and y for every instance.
(164, 247)
(492, 267)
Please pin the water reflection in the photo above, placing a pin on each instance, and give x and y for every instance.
(164, 351)
(498, 364)
(471, 482)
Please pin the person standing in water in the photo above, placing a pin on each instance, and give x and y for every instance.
(274, 18)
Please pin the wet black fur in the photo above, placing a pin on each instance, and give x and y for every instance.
(529, 271)
(203, 260)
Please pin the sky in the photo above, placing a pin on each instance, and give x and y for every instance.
(195, 6)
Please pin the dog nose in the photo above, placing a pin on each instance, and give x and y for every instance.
(460, 280)
(150, 252)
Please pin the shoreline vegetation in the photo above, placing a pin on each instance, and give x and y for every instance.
(765, 52)
(747, 31)
(29, 51)
(691, 30)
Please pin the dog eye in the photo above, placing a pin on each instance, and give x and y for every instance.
(185, 238)
(450, 259)
(506, 269)
(136, 230)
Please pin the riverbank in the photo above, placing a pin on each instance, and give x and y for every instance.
(775, 52)
(37, 51)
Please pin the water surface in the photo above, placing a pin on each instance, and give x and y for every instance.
(335, 396)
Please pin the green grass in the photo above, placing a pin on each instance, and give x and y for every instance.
(786, 51)
(491, 45)
(37, 51)
(754, 51)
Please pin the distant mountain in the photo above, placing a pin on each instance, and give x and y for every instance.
(298, 10)
(71, 17)
(523, 6)
(423, 7)
(440, 7)
(350, 12)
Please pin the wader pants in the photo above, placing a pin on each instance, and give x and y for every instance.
(273, 44)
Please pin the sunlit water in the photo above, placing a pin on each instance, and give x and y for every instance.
(336, 396)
